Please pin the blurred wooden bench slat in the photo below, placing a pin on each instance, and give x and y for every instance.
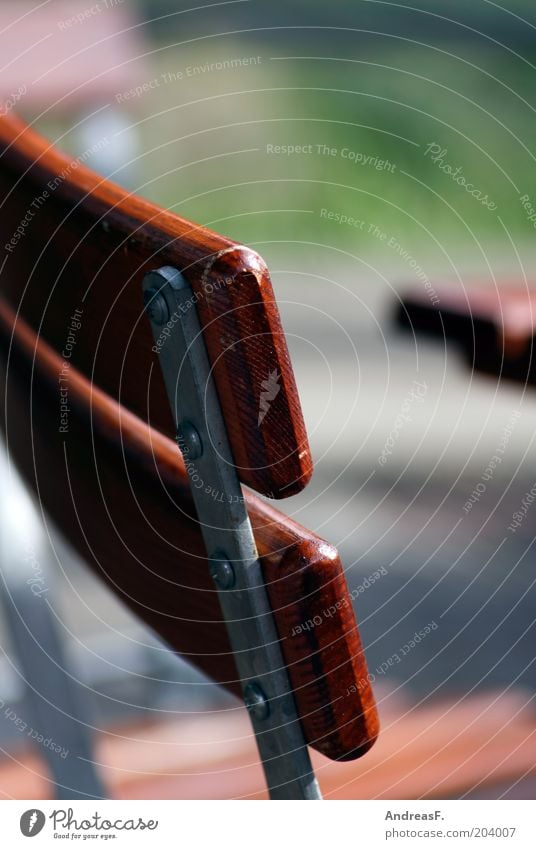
(495, 327)
(483, 744)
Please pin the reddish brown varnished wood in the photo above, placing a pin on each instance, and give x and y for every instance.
(119, 490)
(316, 623)
(87, 244)
(494, 326)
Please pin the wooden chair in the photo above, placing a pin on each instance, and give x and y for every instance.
(91, 405)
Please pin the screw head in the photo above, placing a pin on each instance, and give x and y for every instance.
(155, 306)
(221, 571)
(189, 441)
(256, 702)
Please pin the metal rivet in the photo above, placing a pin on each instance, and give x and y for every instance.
(256, 702)
(221, 571)
(155, 306)
(189, 441)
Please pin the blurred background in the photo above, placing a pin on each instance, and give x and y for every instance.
(363, 149)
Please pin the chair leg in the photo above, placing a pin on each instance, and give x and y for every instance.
(54, 710)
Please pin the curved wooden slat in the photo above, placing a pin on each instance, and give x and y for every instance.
(119, 490)
(78, 245)
(495, 327)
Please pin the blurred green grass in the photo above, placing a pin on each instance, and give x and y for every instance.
(204, 140)
(390, 107)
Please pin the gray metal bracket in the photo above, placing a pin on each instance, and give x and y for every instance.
(170, 304)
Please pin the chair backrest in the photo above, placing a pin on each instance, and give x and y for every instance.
(91, 431)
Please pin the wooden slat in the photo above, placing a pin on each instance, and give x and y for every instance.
(483, 744)
(74, 241)
(495, 327)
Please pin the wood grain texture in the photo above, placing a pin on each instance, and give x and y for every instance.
(119, 490)
(74, 241)
(494, 327)
(321, 645)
